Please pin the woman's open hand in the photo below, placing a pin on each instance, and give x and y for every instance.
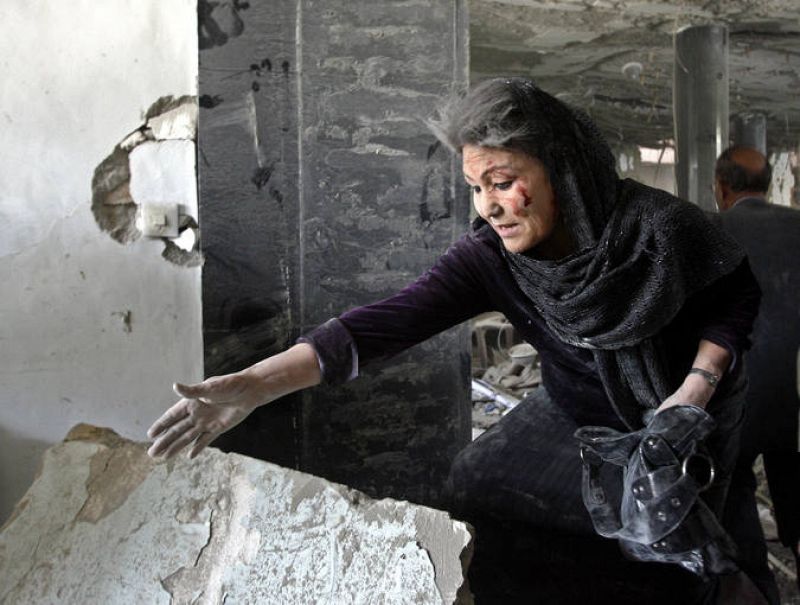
(205, 411)
(209, 408)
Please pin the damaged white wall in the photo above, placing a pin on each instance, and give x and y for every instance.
(90, 329)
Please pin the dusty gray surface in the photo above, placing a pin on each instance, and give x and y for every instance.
(104, 523)
(578, 48)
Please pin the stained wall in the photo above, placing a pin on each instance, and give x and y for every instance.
(322, 189)
(96, 321)
(90, 329)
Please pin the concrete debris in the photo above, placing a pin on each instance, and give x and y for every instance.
(483, 391)
(503, 373)
(104, 523)
(513, 376)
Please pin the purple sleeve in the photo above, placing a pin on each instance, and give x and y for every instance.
(447, 294)
(336, 351)
(733, 306)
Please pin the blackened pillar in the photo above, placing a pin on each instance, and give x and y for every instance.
(321, 189)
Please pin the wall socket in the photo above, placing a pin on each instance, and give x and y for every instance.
(159, 220)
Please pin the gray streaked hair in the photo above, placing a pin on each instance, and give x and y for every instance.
(500, 112)
(514, 113)
(486, 116)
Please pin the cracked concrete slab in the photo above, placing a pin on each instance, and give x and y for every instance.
(102, 522)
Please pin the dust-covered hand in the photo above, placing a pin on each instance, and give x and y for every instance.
(209, 408)
(205, 411)
(695, 390)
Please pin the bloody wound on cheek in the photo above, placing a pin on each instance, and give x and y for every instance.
(521, 197)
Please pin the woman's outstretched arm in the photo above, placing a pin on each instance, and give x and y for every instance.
(209, 408)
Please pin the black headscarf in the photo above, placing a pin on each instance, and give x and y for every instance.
(640, 254)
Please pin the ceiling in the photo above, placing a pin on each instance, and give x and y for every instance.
(576, 49)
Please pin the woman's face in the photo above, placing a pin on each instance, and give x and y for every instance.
(511, 191)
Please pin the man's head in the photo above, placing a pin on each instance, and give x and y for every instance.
(740, 172)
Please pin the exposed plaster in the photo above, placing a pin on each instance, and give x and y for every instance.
(114, 474)
(114, 208)
(177, 123)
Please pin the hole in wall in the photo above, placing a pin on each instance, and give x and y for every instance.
(114, 208)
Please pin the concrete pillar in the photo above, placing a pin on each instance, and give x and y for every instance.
(784, 177)
(750, 129)
(796, 202)
(321, 189)
(700, 107)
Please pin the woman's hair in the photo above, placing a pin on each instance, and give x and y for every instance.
(487, 116)
(514, 113)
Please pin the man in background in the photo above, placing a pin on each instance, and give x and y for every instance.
(771, 236)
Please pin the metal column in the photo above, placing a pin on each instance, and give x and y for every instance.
(700, 107)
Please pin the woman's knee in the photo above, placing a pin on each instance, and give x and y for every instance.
(474, 473)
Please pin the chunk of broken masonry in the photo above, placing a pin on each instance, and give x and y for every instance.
(103, 523)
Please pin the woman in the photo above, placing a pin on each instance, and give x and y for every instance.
(634, 301)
